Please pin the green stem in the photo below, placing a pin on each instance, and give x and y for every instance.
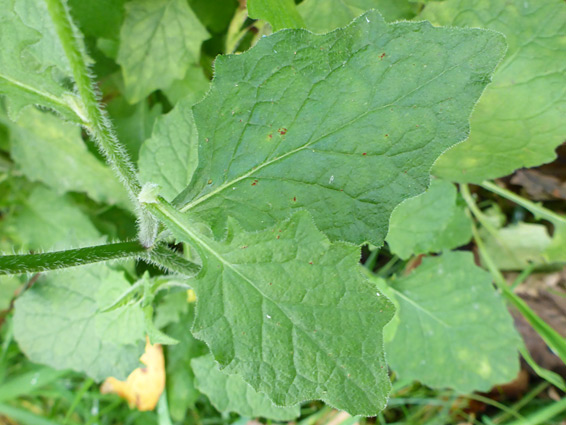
(537, 210)
(95, 119)
(34, 263)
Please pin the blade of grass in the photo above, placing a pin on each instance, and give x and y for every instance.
(78, 397)
(542, 416)
(24, 417)
(547, 375)
(26, 383)
(504, 416)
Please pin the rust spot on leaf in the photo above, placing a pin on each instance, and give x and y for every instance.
(282, 131)
(382, 56)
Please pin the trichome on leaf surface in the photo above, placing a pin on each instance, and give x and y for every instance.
(257, 190)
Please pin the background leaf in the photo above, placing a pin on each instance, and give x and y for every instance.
(47, 220)
(58, 322)
(454, 330)
(230, 393)
(321, 16)
(52, 151)
(159, 40)
(431, 222)
(345, 125)
(520, 119)
(516, 246)
(169, 158)
(279, 13)
(33, 65)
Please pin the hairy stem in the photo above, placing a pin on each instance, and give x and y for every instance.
(33, 263)
(95, 120)
(537, 210)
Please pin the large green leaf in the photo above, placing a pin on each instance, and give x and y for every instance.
(454, 330)
(52, 151)
(47, 220)
(431, 222)
(169, 158)
(159, 40)
(58, 322)
(33, 65)
(345, 125)
(290, 312)
(520, 119)
(326, 15)
(230, 393)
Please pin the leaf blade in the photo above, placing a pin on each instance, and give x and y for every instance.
(279, 131)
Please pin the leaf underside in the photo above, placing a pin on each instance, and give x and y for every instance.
(345, 125)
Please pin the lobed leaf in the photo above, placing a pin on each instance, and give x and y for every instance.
(453, 329)
(345, 125)
(289, 312)
(520, 119)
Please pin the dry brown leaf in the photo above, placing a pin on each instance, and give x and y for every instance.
(144, 386)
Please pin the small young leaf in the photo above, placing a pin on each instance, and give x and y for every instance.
(58, 322)
(279, 13)
(326, 15)
(159, 40)
(454, 330)
(430, 222)
(169, 158)
(230, 393)
(52, 151)
(520, 119)
(345, 125)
